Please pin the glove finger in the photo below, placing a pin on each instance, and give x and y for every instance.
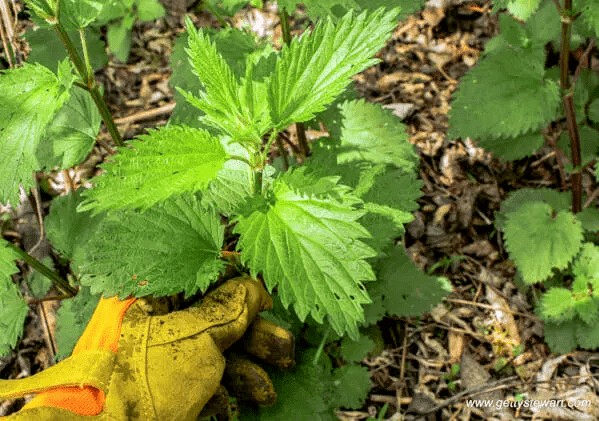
(249, 382)
(254, 299)
(225, 314)
(270, 342)
(218, 406)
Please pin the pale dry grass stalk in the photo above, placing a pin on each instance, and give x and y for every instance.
(8, 21)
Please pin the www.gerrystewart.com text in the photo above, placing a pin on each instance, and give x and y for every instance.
(528, 403)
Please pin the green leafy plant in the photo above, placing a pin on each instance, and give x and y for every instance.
(505, 103)
(118, 16)
(206, 194)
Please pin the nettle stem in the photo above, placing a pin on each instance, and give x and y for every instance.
(299, 127)
(567, 18)
(89, 82)
(44, 270)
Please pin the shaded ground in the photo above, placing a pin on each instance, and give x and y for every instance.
(486, 327)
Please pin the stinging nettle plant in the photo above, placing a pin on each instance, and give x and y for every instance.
(505, 103)
(179, 206)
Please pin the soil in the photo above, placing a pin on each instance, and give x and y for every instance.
(486, 327)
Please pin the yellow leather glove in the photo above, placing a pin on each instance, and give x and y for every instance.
(150, 368)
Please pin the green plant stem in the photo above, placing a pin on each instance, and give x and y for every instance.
(73, 54)
(106, 115)
(300, 130)
(44, 270)
(257, 187)
(240, 158)
(90, 84)
(568, 100)
(321, 346)
(88, 66)
(271, 139)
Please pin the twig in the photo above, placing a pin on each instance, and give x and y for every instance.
(583, 60)
(51, 343)
(490, 307)
(145, 115)
(590, 199)
(37, 204)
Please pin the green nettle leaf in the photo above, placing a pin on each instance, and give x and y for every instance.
(72, 318)
(590, 14)
(538, 28)
(356, 351)
(305, 238)
(168, 161)
(589, 145)
(593, 111)
(48, 50)
(72, 133)
(7, 262)
(560, 201)
(585, 288)
(172, 247)
(232, 186)
(351, 385)
(505, 95)
(587, 335)
(557, 305)
(68, 230)
(118, 37)
(13, 309)
(372, 133)
(402, 289)
(337, 8)
(523, 9)
(320, 390)
(540, 238)
(317, 67)
(387, 212)
(227, 7)
(561, 337)
(148, 10)
(45, 9)
(512, 148)
(220, 99)
(589, 218)
(76, 14)
(29, 98)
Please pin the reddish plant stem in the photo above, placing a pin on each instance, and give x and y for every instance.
(568, 100)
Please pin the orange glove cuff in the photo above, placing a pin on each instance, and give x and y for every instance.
(102, 331)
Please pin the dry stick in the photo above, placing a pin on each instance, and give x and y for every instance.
(51, 342)
(490, 307)
(584, 59)
(145, 115)
(592, 197)
(402, 367)
(7, 32)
